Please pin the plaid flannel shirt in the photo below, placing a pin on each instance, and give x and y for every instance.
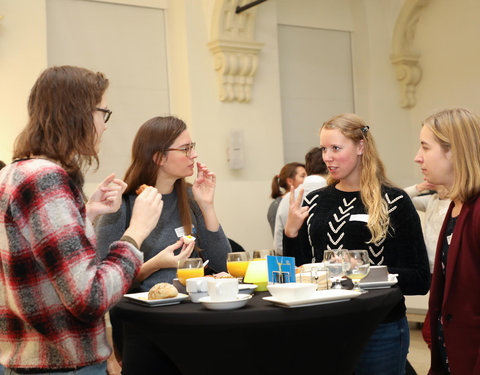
(54, 291)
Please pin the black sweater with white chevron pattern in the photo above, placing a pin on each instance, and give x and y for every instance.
(337, 219)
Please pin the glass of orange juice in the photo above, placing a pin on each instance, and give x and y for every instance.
(188, 268)
(237, 263)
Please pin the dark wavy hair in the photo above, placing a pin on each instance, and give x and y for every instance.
(60, 124)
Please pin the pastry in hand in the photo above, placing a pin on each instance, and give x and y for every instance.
(188, 239)
(162, 291)
(140, 189)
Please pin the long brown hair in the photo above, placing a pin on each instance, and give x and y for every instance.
(60, 125)
(372, 175)
(279, 181)
(152, 140)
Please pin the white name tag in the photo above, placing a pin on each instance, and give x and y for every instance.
(180, 231)
(359, 217)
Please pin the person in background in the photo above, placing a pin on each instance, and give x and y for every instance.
(54, 291)
(433, 201)
(316, 178)
(449, 155)
(291, 174)
(361, 209)
(163, 155)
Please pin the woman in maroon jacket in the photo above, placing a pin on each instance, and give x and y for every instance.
(449, 155)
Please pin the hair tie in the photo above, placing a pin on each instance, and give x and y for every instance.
(365, 129)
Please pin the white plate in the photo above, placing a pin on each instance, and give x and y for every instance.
(392, 280)
(240, 301)
(318, 297)
(142, 298)
(246, 288)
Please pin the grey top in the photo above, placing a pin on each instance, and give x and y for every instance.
(214, 245)
(272, 212)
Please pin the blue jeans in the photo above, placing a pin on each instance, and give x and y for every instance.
(98, 369)
(386, 351)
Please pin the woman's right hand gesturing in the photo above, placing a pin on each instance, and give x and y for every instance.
(166, 259)
(145, 214)
(296, 214)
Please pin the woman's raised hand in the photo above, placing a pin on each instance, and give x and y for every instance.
(107, 198)
(296, 214)
(145, 214)
(167, 258)
(203, 188)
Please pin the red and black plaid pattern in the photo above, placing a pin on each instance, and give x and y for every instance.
(54, 292)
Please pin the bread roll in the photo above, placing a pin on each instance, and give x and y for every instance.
(223, 275)
(162, 290)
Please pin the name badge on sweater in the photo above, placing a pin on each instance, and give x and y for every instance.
(359, 217)
(180, 231)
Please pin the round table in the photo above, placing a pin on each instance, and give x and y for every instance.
(260, 338)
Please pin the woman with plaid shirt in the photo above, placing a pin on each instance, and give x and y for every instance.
(54, 291)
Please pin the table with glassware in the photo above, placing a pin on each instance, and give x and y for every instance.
(259, 338)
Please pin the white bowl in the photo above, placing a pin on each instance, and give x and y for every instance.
(292, 291)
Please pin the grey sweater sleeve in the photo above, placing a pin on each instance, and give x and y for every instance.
(110, 228)
(215, 245)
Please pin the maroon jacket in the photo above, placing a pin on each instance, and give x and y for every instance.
(458, 299)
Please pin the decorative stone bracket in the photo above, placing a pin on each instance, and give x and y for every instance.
(234, 49)
(407, 69)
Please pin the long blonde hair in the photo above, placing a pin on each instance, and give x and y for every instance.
(458, 130)
(372, 173)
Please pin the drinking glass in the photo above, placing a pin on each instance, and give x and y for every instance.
(188, 268)
(334, 261)
(237, 263)
(262, 254)
(357, 267)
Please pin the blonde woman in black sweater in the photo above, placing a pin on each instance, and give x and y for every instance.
(361, 209)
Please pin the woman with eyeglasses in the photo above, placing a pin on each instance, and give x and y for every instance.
(163, 155)
(54, 291)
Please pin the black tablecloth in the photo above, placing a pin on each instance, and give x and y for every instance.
(260, 338)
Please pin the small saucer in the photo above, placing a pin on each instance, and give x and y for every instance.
(246, 288)
(240, 301)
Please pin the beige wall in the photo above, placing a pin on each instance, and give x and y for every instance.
(23, 55)
(449, 57)
(448, 60)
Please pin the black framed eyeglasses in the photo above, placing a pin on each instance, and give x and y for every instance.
(106, 113)
(187, 149)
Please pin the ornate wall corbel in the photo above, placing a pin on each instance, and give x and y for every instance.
(234, 49)
(407, 68)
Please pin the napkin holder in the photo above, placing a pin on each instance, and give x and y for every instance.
(281, 269)
(376, 274)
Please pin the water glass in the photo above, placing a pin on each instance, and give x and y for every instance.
(357, 267)
(334, 261)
